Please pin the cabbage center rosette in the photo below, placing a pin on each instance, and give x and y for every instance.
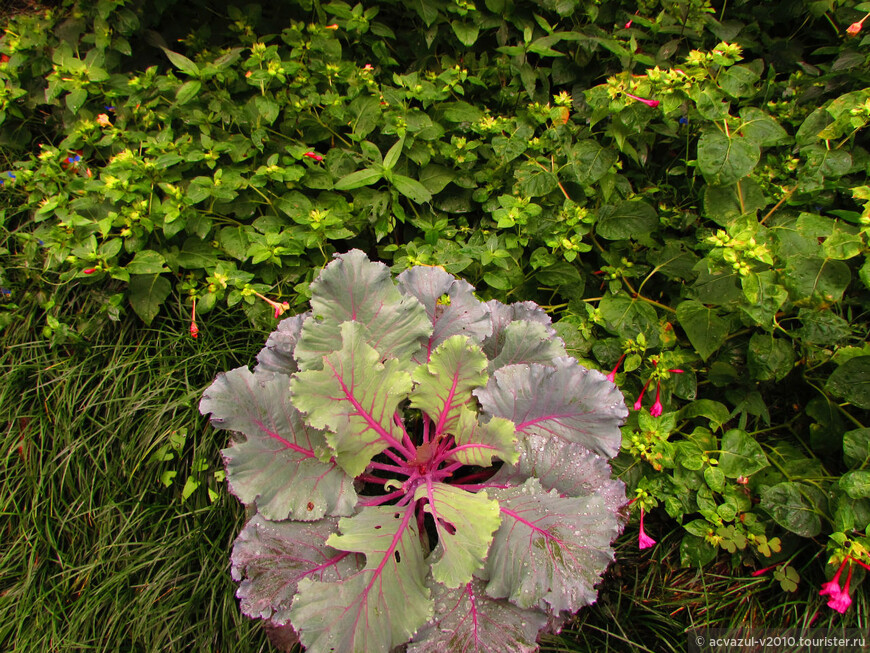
(426, 468)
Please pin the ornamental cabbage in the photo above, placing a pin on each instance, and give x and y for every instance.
(426, 468)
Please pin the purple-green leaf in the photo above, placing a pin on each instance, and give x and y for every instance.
(377, 608)
(270, 558)
(463, 314)
(354, 397)
(550, 551)
(280, 465)
(502, 315)
(277, 356)
(470, 621)
(566, 402)
(527, 342)
(352, 288)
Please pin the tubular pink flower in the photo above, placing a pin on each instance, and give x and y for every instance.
(312, 155)
(194, 330)
(644, 541)
(842, 601)
(650, 103)
(638, 403)
(89, 270)
(832, 587)
(612, 376)
(656, 409)
(855, 28)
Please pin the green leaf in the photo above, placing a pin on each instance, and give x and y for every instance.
(788, 506)
(182, 63)
(187, 91)
(466, 32)
(411, 188)
(461, 112)
(535, 181)
(436, 177)
(856, 484)
(277, 466)
(724, 204)
(355, 397)
(715, 479)
(590, 162)
(705, 330)
(549, 551)
(856, 447)
(714, 411)
(393, 154)
(75, 99)
(741, 455)
(444, 385)
(764, 297)
(377, 608)
(769, 358)
(723, 160)
(629, 219)
(147, 261)
(738, 81)
(628, 317)
(272, 557)
(366, 111)
(809, 277)
(354, 288)
(851, 381)
(761, 128)
(147, 293)
(465, 524)
(358, 179)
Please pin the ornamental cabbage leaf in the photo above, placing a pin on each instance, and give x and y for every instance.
(424, 468)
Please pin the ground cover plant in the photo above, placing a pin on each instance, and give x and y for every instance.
(680, 185)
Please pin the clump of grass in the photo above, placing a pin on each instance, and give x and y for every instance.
(95, 552)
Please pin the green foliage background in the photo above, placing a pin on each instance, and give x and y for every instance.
(683, 183)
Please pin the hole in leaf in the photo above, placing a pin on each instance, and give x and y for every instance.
(397, 556)
(447, 526)
(396, 515)
(378, 527)
(310, 506)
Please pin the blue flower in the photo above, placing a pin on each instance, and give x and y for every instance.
(5, 291)
(108, 107)
(684, 121)
(10, 175)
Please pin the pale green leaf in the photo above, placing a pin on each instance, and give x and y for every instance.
(355, 397)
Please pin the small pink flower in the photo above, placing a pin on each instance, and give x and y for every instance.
(657, 409)
(89, 270)
(639, 402)
(312, 155)
(612, 376)
(650, 103)
(333, 26)
(842, 601)
(644, 541)
(628, 24)
(103, 120)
